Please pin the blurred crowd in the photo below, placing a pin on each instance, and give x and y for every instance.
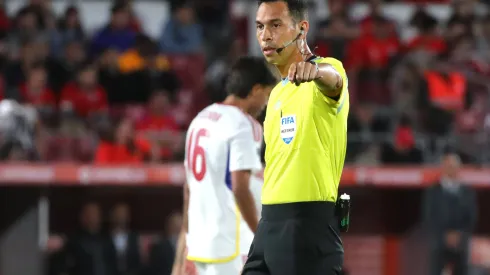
(113, 97)
(108, 246)
(428, 90)
(119, 96)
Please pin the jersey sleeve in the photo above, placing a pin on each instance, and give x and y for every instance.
(243, 151)
(345, 83)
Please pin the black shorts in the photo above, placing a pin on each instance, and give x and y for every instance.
(296, 239)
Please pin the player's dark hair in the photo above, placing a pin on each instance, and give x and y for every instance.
(246, 73)
(38, 65)
(119, 6)
(297, 8)
(86, 65)
(405, 121)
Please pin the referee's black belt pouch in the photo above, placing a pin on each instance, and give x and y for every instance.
(342, 211)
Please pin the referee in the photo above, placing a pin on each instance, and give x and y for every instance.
(305, 131)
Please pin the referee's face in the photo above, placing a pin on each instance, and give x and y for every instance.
(275, 29)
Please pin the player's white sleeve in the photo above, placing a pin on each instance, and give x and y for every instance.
(243, 151)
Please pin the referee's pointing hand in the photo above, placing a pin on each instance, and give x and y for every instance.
(300, 72)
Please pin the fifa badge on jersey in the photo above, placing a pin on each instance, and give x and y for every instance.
(288, 128)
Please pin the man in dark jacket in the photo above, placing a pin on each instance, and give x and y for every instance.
(162, 252)
(124, 244)
(87, 251)
(450, 213)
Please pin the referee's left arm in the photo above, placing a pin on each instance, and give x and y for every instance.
(329, 81)
(328, 74)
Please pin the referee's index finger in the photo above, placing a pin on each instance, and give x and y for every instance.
(292, 72)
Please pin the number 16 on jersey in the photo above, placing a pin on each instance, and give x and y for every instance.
(196, 155)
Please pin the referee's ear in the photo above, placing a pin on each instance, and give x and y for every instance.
(304, 27)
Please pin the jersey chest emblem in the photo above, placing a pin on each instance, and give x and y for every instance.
(288, 128)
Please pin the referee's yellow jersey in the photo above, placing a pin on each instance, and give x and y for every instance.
(306, 138)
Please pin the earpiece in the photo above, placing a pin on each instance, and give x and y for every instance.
(301, 32)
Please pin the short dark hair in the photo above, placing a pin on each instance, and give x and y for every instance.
(118, 7)
(405, 121)
(38, 65)
(87, 65)
(246, 73)
(297, 8)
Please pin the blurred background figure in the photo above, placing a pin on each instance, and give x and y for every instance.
(71, 56)
(162, 252)
(125, 245)
(182, 34)
(87, 251)
(118, 33)
(119, 145)
(69, 28)
(402, 150)
(336, 32)
(159, 126)
(84, 96)
(450, 211)
(17, 132)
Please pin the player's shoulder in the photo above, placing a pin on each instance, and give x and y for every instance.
(231, 112)
(227, 116)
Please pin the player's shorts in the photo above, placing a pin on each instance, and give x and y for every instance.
(296, 239)
(233, 267)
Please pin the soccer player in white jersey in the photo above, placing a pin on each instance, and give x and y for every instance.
(222, 155)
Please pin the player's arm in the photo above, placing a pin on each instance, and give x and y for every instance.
(243, 160)
(240, 181)
(179, 262)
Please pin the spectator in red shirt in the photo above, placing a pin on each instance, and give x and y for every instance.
(368, 22)
(121, 147)
(376, 49)
(403, 150)
(35, 91)
(336, 31)
(84, 96)
(428, 38)
(370, 59)
(159, 126)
